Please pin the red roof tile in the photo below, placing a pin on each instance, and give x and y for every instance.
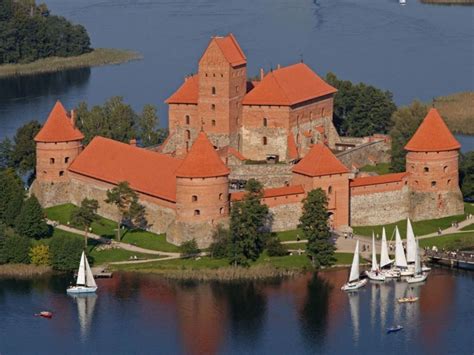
(187, 93)
(226, 151)
(231, 50)
(288, 86)
(292, 149)
(272, 192)
(319, 161)
(379, 179)
(58, 127)
(202, 160)
(432, 136)
(146, 171)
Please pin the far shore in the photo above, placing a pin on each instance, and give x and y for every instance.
(458, 111)
(98, 57)
(448, 2)
(20, 271)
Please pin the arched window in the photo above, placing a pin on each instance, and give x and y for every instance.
(265, 122)
(51, 160)
(426, 169)
(221, 210)
(449, 182)
(66, 160)
(221, 195)
(213, 107)
(61, 173)
(194, 198)
(264, 141)
(188, 119)
(433, 183)
(213, 122)
(197, 212)
(213, 90)
(330, 190)
(445, 169)
(188, 134)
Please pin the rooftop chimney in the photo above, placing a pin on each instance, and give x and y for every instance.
(278, 66)
(72, 117)
(262, 74)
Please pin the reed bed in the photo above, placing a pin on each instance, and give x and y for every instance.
(458, 111)
(98, 57)
(23, 270)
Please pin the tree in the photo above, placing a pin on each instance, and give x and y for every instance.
(12, 194)
(24, 150)
(405, 122)
(39, 255)
(130, 210)
(31, 221)
(147, 125)
(85, 215)
(248, 221)
(6, 153)
(189, 248)
(360, 109)
(220, 245)
(466, 174)
(16, 249)
(274, 247)
(66, 252)
(315, 228)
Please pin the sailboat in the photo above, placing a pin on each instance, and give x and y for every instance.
(419, 275)
(354, 281)
(374, 274)
(85, 282)
(385, 260)
(400, 259)
(412, 247)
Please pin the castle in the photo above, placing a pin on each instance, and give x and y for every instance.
(225, 129)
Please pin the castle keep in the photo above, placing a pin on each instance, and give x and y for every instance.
(225, 129)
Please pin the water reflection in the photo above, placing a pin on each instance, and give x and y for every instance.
(85, 312)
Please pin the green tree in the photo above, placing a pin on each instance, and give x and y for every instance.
(466, 174)
(65, 252)
(220, 245)
(85, 215)
(405, 122)
(39, 255)
(12, 194)
(24, 150)
(16, 249)
(275, 247)
(31, 221)
(248, 222)
(6, 153)
(148, 127)
(315, 228)
(189, 248)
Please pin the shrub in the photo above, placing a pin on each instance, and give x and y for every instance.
(39, 255)
(15, 249)
(219, 248)
(274, 247)
(65, 252)
(189, 248)
(31, 222)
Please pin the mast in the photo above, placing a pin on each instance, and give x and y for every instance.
(417, 260)
(375, 267)
(400, 260)
(384, 259)
(411, 243)
(354, 275)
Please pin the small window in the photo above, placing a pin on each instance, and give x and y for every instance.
(188, 134)
(206, 74)
(265, 122)
(426, 169)
(433, 183)
(214, 75)
(264, 141)
(330, 190)
(221, 210)
(188, 119)
(197, 212)
(213, 123)
(51, 160)
(213, 107)
(194, 198)
(221, 196)
(222, 75)
(445, 169)
(213, 90)
(416, 182)
(187, 146)
(322, 112)
(413, 168)
(449, 182)
(61, 173)
(66, 160)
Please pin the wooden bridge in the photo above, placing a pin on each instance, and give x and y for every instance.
(458, 259)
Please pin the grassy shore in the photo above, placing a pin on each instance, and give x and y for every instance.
(23, 270)
(461, 241)
(98, 57)
(457, 109)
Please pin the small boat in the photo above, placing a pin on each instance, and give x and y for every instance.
(392, 273)
(419, 275)
(385, 259)
(354, 281)
(394, 329)
(85, 282)
(407, 299)
(374, 274)
(400, 259)
(402, 2)
(45, 314)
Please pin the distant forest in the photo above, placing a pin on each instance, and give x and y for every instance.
(29, 32)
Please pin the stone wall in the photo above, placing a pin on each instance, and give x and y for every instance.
(50, 193)
(379, 204)
(431, 205)
(202, 232)
(366, 154)
(270, 175)
(285, 216)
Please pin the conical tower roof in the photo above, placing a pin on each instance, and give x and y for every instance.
(202, 161)
(58, 127)
(432, 136)
(320, 161)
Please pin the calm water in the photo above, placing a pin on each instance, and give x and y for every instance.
(416, 51)
(308, 314)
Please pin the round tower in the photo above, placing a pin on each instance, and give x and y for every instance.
(432, 164)
(202, 193)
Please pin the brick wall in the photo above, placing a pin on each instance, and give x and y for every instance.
(270, 175)
(53, 159)
(285, 216)
(359, 156)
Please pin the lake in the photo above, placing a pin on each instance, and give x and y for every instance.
(416, 51)
(307, 314)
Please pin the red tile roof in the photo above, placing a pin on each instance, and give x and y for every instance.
(202, 160)
(146, 171)
(288, 86)
(187, 92)
(58, 127)
(272, 192)
(292, 148)
(378, 179)
(319, 161)
(231, 50)
(432, 136)
(226, 151)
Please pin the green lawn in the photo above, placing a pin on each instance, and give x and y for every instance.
(469, 208)
(289, 235)
(295, 246)
(110, 255)
(450, 241)
(107, 228)
(469, 227)
(381, 169)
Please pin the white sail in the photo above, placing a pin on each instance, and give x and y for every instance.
(354, 276)
(384, 259)
(375, 266)
(417, 260)
(411, 243)
(81, 273)
(400, 260)
(90, 282)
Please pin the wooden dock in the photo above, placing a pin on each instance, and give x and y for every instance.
(460, 259)
(100, 272)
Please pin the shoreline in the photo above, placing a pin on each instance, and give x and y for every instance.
(98, 57)
(24, 271)
(448, 2)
